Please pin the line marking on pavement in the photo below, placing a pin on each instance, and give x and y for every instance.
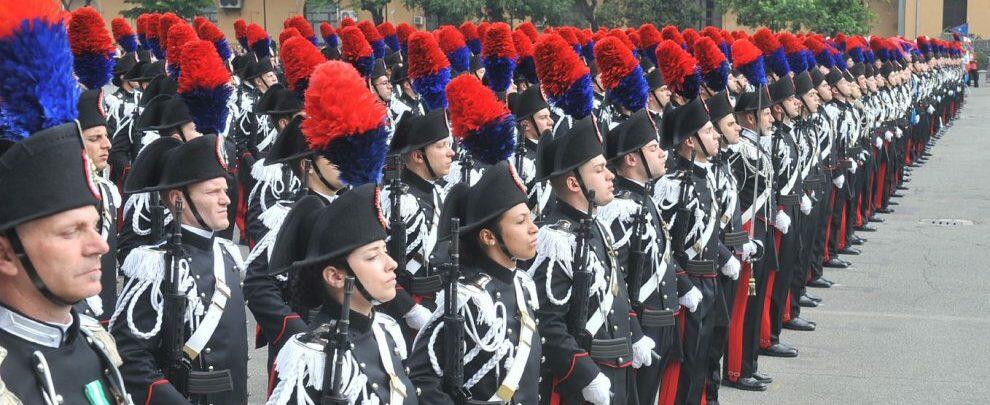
(940, 318)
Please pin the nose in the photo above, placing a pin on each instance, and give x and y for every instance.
(224, 199)
(97, 246)
(609, 175)
(391, 264)
(105, 143)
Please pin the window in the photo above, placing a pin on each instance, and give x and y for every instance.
(318, 13)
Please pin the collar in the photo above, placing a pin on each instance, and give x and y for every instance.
(360, 324)
(197, 237)
(326, 197)
(419, 183)
(530, 144)
(42, 333)
(750, 134)
(631, 185)
(569, 211)
(488, 266)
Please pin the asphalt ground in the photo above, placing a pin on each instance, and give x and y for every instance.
(908, 323)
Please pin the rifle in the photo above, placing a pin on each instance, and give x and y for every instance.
(304, 179)
(157, 217)
(467, 163)
(581, 286)
(337, 344)
(396, 227)
(520, 152)
(453, 323)
(637, 258)
(177, 365)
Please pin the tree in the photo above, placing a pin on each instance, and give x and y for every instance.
(826, 16)
(182, 8)
(452, 12)
(833, 16)
(633, 13)
(375, 7)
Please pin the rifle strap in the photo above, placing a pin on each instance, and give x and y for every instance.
(527, 330)
(221, 293)
(397, 390)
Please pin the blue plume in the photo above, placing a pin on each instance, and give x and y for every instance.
(128, 43)
(631, 91)
(498, 72)
(208, 108)
(796, 62)
(869, 57)
(243, 42)
(222, 49)
(473, 44)
(460, 60)
(36, 71)
(651, 54)
(144, 42)
(755, 73)
(809, 59)
(778, 62)
(314, 41)
(692, 85)
(364, 66)
(359, 158)
(577, 101)
(856, 54)
(93, 70)
(393, 42)
(588, 51)
(840, 61)
(824, 58)
(724, 47)
(883, 54)
(379, 48)
(718, 78)
(494, 141)
(332, 41)
(262, 48)
(156, 48)
(433, 89)
(528, 68)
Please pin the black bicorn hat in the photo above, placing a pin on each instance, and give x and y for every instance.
(378, 69)
(681, 122)
(803, 84)
(654, 79)
(146, 71)
(33, 187)
(330, 53)
(781, 90)
(719, 106)
(90, 107)
(161, 84)
(833, 76)
(352, 220)
(557, 155)
(238, 63)
(817, 77)
(278, 100)
(123, 65)
(165, 112)
(400, 74)
(524, 105)
(857, 69)
(293, 237)
(475, 63)
(498, 190)
(255, 68)
(290, 144)
(167, 164)
(752, 100)
(417, 131)
(630, 135)
(394, 59)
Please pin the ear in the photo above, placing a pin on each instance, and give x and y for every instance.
(630, 159)
(572, 183)
(173, 196)
(487, 237)
(8, 260)
(334, 277)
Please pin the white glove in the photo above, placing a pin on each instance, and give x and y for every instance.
(805, 205)
(852, 169)
(643, 352)
(879, 142)
(900, 132)
(839, 181)
(782, 222)
(931, 110)
(731, 268)
(417, 317)
(889, 135)
(749, 249)
(598, 391)
(691, 299)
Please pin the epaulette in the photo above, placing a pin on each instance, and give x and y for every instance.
(667, 191)
(102, 339)
(555, 243)
(233, 250)
(145, 263)
(621, 208)
(6, 397)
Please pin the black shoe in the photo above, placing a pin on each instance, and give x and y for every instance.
(896, 195)
(848, 263)
(893, 203)
(807, 302)
(819, 283)
(836, 263)
(779, 350)
(902, 187)
(850, 251)
(813, 298)
(875, 219)
(865, 228)
(763, 378)
(745, 384)
(884, 210)
(856, 240)
(799, 324)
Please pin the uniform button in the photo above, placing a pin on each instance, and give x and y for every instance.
(418, 391)
(498, 294)
(620, 359)
(663, 283)
(196, 276)
(203, 295)
(665, 296)
(208, 350)
(210, 368)
(615, 327)
(363, 365)
(374, 385)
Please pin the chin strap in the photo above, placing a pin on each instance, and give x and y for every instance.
(319, 175)
(193, 209)
(429, 167)
(702, 144)
(39, 284)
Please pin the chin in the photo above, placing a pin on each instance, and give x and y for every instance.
(386, 297)
(220, 225)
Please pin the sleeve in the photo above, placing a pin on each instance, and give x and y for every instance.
(119, 157)
(422, 373)
(275, 317)
(297, 369)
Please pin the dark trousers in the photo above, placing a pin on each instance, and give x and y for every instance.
(746, 313)
(788, 262)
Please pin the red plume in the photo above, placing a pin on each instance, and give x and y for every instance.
(198, 21)
(120, 28)
(165, 23)
(711, 32)
(201, 67)
(520, 41)
(649, 36)
(727, 37)
(425, 56)
(288, 33)
(142, 24)
(153, 24)
(498, 42)
(354, 45)
(740, 34)
(370, 32)
(450, 38)
(855, 42)
(766, 41)
(240, 28)
(472, 105)
(583, 36)
(530, 30)
(470, 31)
(674, 63)
(568, 34)
(88, 33)
(557, 65)
(347, 22)
(255, 33)
(816, 46)
(326, 30)
(744, 52)
(617, 33)
(386, 28)
(598, 35)
(614, 60)
(338, 104)
(299, 58)
(671, 33)
(483, 29)
(300, 24)
(708, 55)
(840, 38)
(633, 38)
(690, 36)
(178, 36)
(403, 31)
(877, 44)
(791, 43)
(210, 32)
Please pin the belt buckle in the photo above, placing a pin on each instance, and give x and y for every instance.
(505, 392)
(223, 289)
(396, 385)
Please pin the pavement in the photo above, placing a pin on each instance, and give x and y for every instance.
(908, 323)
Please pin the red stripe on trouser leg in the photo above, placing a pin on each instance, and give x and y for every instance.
(880, 185)
(704, 395)
(672, 374)
(859, 209)
(733, 355)
(828, 228)
(842, 225)
(787, 308)
(765, 319)
(554, 396)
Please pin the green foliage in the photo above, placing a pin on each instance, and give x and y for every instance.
(183, 8)
(824, 16)
(375, 7)
(454, 12)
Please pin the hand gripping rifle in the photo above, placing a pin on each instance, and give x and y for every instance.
(337, 345)
(453, 323)
(581, 286)
(177, 365)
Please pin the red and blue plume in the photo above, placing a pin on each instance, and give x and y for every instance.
(198, 21)
(346, 22)
(621, 35)
(329, 35)
(35, 67)
(587, 44)
(452, 44)
(881, 48)
(373, 37)
(258, 41)
(795, 52)
(92, 48)
(649, 38)
(773, 52)
(716, 36)
(564, 78)
(679, 69)
(357, 51)
(203, 85)
(633, 36)
(690, 37)
(713, 64)
(299, 59)
(142, 30)
(124, 35)
(165, 23)
(207, 31)
(483, 28)
(471, 38)
(479, 120)
(568, 34)
(838, 59)
(389, 34)
(820, 51)
(530, 30)
(240, 32)
(303, 26)
(621, 75)
(429, 69)
(854, 49)
(345, 123)
(749, 60)
(156, 44)
(524, 50)
(178, 36)
(286, 34)
(403, 31)
(840, 42)
(499, 57)
(671, 33)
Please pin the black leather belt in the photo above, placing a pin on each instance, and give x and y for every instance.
(210, 382)
(425, 285)
(814, 179)
(789, 199)
(656, 318)
(700, 267)
(735, 239)
(618, 349)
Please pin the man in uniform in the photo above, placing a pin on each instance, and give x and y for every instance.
(533, 120)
